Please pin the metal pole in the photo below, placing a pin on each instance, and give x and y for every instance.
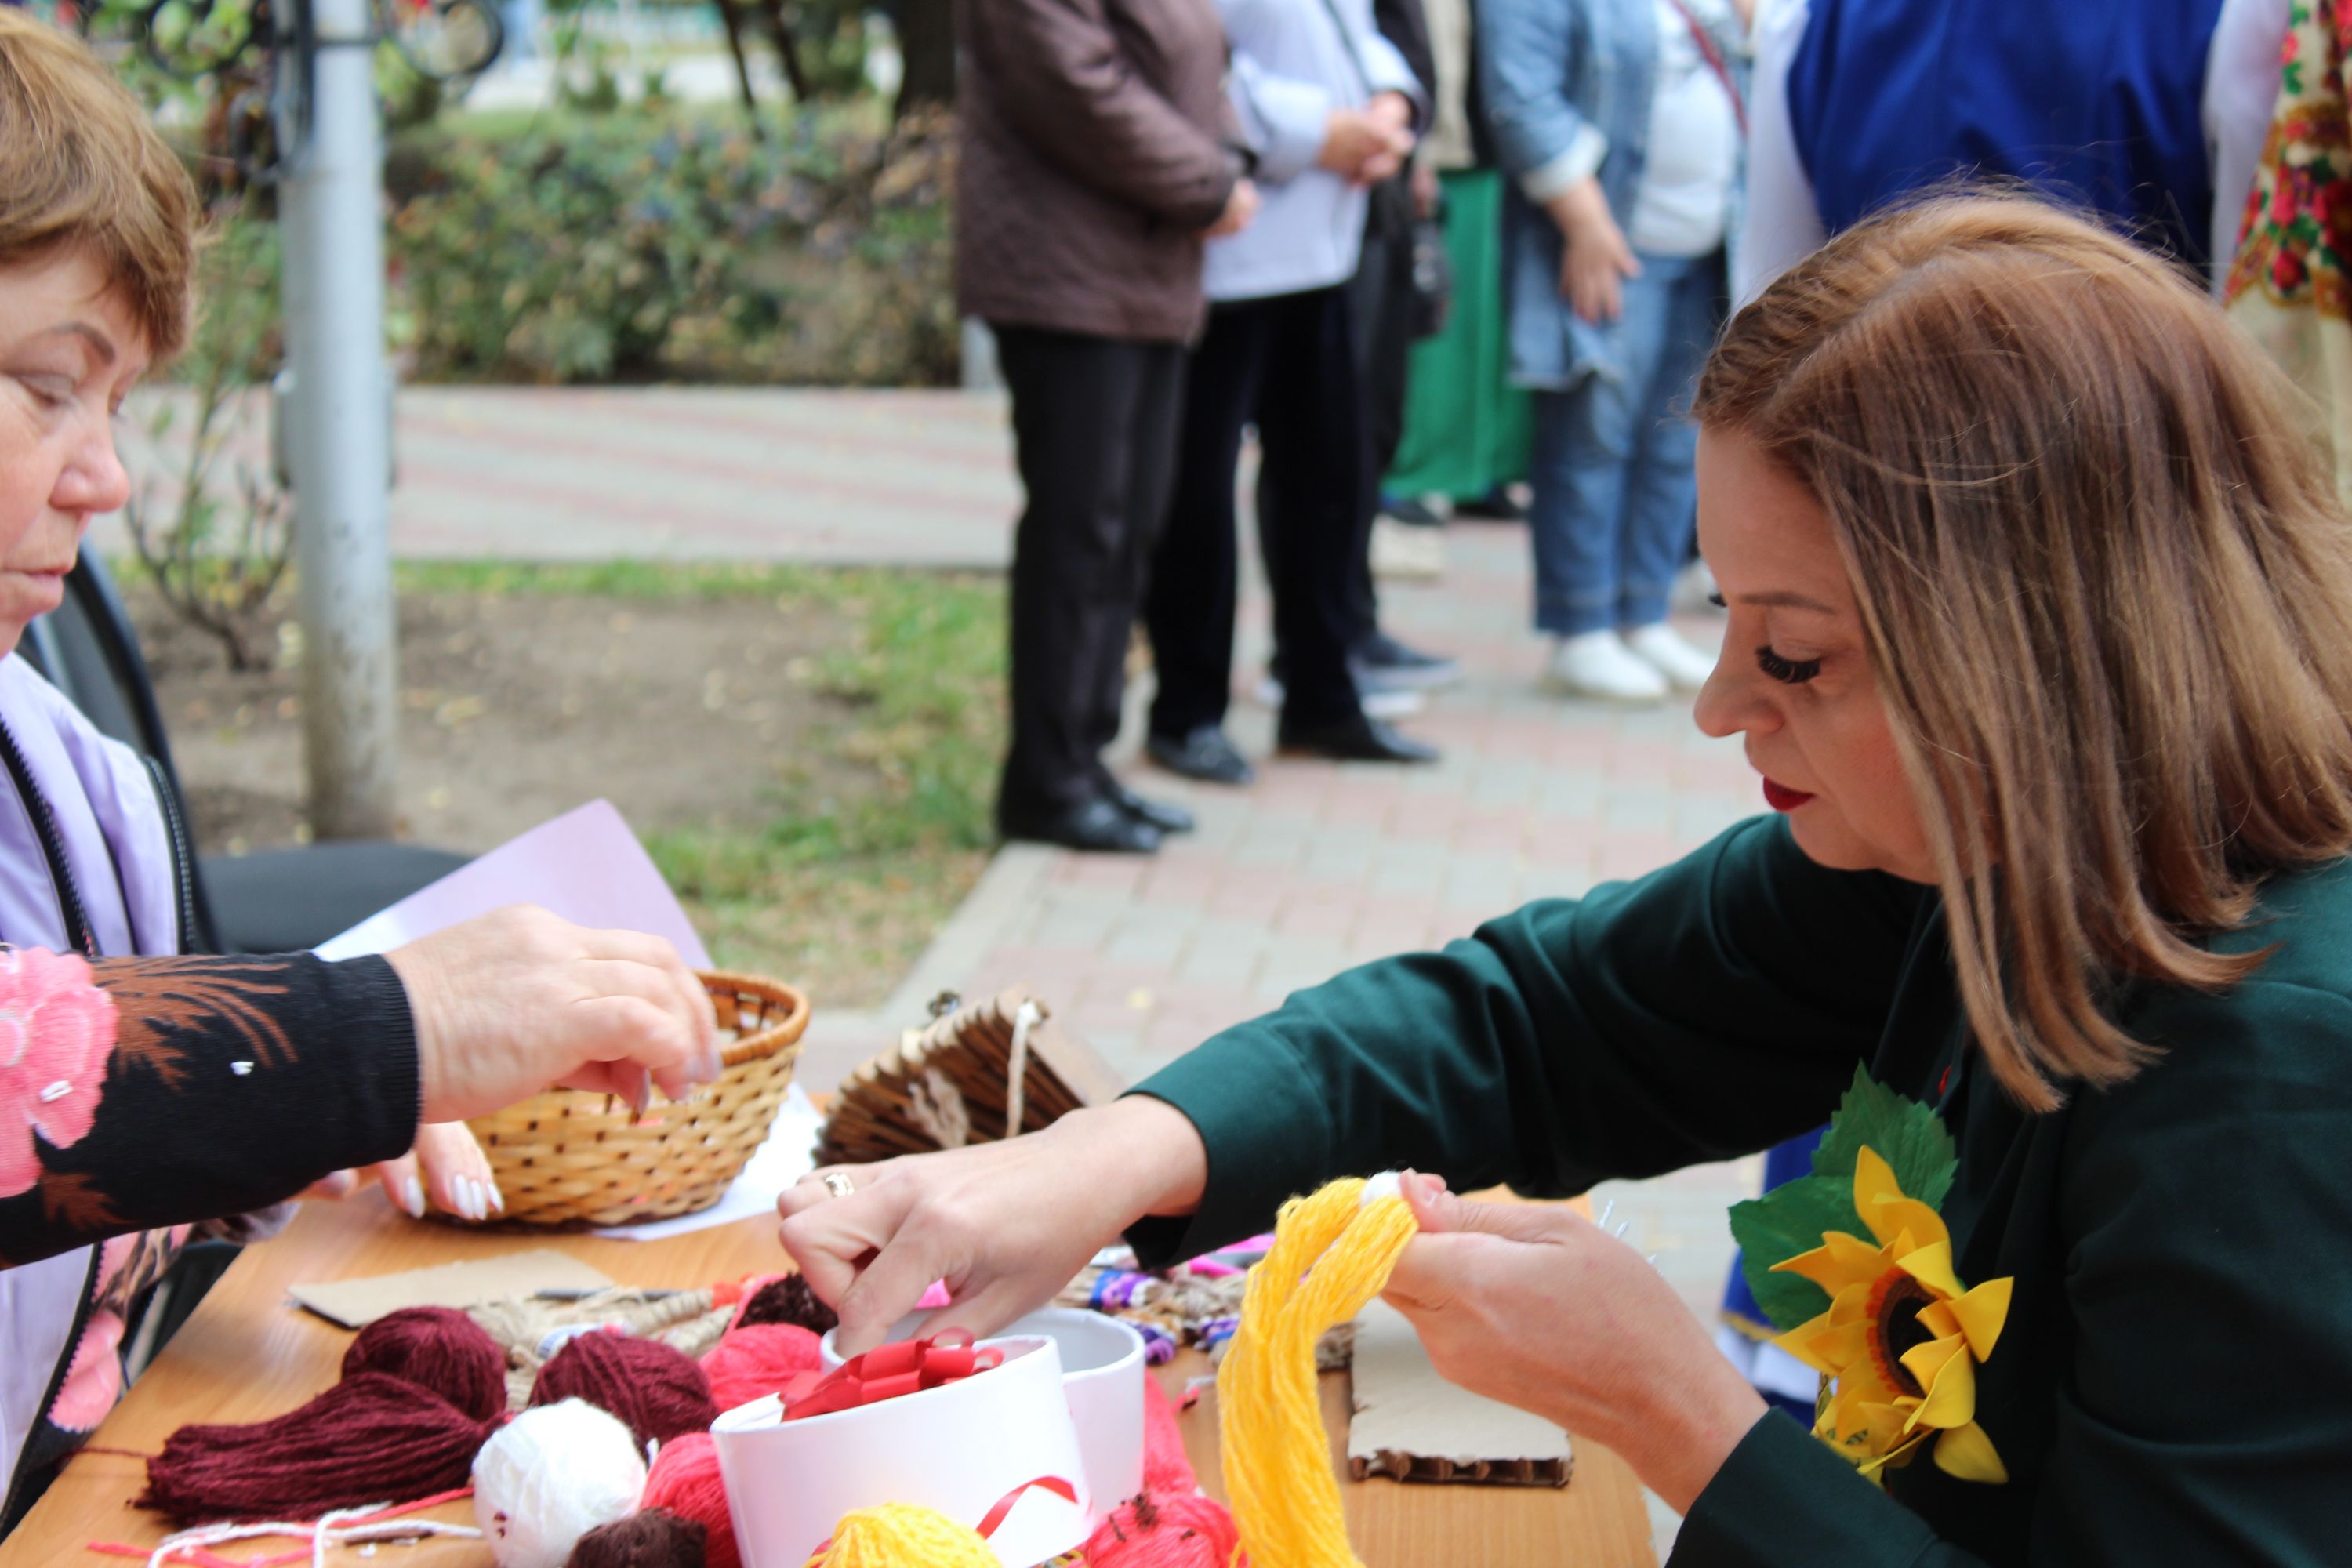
(338, 435)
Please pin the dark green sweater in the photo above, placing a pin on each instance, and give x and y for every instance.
(2174, 1385)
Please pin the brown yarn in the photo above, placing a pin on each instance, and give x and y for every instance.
(788, 1300)
(437, 1348)
(372, 1437)
(653, 1539)
(658, 1393)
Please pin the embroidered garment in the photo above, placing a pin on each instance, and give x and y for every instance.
(138, 1095)
(2287, 285)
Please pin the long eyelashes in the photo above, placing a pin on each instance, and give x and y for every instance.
(1788, 671)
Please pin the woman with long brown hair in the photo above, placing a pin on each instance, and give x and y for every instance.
(2040, 635)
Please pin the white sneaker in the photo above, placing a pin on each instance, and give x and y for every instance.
(1663, 650)
(1597, 664)
(1402, 552)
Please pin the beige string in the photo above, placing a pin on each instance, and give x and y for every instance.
(1016, 1090)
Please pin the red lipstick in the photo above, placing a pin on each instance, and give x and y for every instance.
(1780, 797)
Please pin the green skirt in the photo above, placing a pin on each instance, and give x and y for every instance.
(1466, 429)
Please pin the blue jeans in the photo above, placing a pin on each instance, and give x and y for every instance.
(1614, 493)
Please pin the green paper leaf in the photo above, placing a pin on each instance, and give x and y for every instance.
(1791, 1220)
(1907, 1134)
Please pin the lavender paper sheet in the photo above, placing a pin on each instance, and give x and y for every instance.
(585, 866)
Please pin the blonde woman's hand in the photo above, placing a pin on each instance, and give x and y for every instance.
(512, 1002)
(1005, 1223)
(1537, 1307)
(1594, 259)
(445, 1166)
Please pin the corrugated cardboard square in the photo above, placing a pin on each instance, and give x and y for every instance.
(1413, 1424)
(355, 1304)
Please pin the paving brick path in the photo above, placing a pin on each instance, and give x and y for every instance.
(1317, 867)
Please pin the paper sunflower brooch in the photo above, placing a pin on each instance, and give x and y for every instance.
(1894, 1333)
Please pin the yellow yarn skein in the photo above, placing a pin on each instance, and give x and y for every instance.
(904, 1535)
(1332, 1252)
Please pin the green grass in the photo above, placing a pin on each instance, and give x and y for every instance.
(882, 827)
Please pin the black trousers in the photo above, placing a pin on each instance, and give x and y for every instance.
(1381, 297)
(1094, 423)
(1285, 364)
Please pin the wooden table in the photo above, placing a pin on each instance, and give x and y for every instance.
(248, 1353)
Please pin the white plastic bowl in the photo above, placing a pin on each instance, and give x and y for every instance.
(962, 1449)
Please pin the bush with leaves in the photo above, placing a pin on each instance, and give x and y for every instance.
(636, 248)
(215, 541)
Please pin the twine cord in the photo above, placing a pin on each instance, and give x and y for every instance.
(1016, 1090)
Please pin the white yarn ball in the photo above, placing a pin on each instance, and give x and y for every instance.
(551, 1476)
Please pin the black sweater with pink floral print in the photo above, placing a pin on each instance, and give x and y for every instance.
(196, 1087)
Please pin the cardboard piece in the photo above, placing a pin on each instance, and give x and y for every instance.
(961, 1448)
(1412, 1423)
(585, 866)
(355, 1304)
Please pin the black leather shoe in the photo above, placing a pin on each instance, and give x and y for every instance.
(1355, 740)
(1096, 824)
(1205, 754)
(1162, 815)
(1380, 661)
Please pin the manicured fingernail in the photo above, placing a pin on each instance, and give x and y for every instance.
(412, 1197)
(498, 1198)
(474, 1208)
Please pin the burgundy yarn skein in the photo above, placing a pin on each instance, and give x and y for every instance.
(658, 1393)
(372, 1437)
(437, 1348)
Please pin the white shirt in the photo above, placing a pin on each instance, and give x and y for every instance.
(1783, 226)
(1683, 198)
(1291, 65)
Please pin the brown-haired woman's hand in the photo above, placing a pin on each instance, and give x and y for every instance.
(1005, 1223)
(1537, 1307)
(447, 1166)
(511, 1002)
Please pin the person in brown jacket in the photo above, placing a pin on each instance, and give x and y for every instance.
(1094, 165)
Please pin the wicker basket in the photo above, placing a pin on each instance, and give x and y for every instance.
(564, 1158)
(948, 1084)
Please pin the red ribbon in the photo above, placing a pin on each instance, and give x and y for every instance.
(887, 1372)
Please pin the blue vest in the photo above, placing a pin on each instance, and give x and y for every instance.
(2098, 102)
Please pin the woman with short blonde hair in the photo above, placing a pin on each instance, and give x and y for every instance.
(2040, 635)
